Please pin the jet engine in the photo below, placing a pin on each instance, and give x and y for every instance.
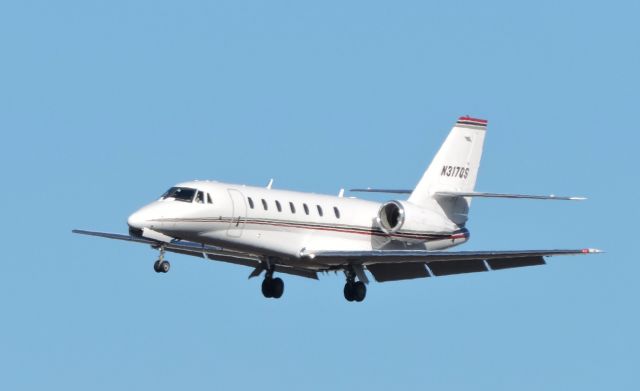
(391, 217)
(408, 222)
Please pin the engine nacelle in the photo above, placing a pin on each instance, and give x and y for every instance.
(390, 217)
(406, 218)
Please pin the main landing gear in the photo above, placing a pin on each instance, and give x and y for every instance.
(272, 287)
(161, 266)
(354, 290)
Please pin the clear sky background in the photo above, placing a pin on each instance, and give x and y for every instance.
(106, 104)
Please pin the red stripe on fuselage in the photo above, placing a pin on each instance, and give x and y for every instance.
(362, 231)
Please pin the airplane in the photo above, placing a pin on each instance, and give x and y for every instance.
(303, 234)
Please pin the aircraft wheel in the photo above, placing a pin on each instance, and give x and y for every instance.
(165, 266)
(349, 291)
(277, 288)
(359, 291)
(272, 287)
(156, 266)
(267, 288)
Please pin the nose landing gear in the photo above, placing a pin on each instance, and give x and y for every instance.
(161, 266)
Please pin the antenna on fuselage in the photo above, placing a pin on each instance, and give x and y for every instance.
(341, 193)
(270, 184)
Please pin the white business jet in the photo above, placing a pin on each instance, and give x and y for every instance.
(279, 231)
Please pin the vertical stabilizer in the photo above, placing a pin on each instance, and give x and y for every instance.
(454, 168)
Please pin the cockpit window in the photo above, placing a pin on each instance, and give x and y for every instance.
(200, 197)
(180, 194)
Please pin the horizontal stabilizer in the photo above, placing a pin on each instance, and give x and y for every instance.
(474, 194)
(502, 195)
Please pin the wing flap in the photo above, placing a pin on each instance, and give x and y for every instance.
(445, 268)
(383, 272)
(498, 264)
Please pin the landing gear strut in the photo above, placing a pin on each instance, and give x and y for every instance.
(354, 290)
(272, 287)
(161, 266)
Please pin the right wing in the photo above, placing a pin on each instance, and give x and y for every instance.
(204, 251)
(391, 265)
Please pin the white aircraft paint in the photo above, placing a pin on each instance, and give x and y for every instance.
(275, 230)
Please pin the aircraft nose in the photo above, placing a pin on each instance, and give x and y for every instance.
(137, 220)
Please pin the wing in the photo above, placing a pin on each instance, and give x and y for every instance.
(205, 251)
(391, 265)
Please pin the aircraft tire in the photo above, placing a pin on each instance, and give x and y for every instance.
(359, 291)
(277, 288)
(267, 288)
(156, 266)
(165, 266)
(349, 291)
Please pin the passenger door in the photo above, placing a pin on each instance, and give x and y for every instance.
(239, 213)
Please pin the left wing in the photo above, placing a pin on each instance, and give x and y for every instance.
(213, 253)
(391, 265)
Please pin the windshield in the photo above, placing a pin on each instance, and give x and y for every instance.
(180, 194)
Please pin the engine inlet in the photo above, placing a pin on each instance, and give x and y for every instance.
(390, 217)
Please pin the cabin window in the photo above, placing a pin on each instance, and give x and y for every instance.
(264, 204)
(319, 210)
(306, 208)
(209, 199)
(278, 206)
(336, 211)
(293, 207)
(200, 197)
(250, 202)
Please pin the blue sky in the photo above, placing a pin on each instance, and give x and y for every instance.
(105, 104)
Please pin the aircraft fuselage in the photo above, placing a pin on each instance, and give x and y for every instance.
(286, 224)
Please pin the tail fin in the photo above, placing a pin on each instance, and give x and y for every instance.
(455, 167)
